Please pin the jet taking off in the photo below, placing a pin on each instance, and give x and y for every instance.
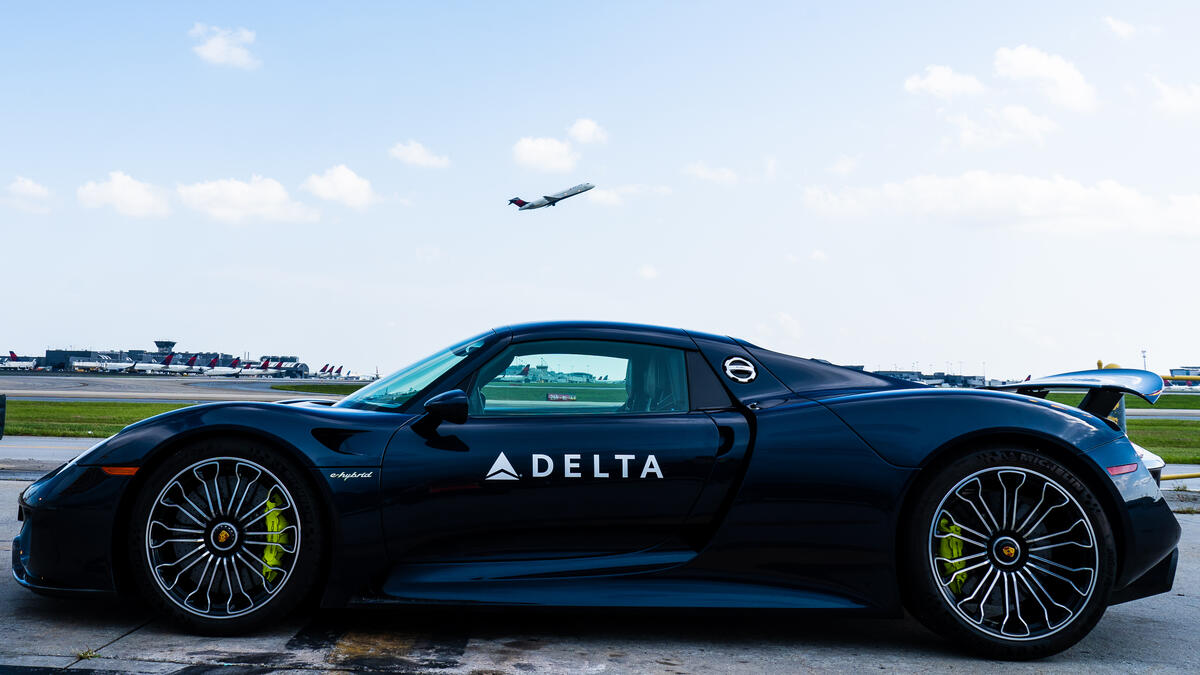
(550, 200)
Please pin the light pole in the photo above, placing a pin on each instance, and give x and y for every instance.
(1144, 360)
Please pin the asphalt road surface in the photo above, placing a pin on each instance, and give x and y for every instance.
(38, 634)
(189, 389)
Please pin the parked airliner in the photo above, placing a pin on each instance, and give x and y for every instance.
(15, 363)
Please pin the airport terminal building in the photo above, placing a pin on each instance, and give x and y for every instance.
(90, 360)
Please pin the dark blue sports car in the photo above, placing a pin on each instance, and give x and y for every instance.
(594, 464)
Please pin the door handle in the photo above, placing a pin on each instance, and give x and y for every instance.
(726, 439)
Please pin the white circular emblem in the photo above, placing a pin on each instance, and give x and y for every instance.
(740, 370)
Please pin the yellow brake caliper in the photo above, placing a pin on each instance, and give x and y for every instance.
(951, 548)
(276, 524)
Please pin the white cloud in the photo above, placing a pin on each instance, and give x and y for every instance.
(545, 154)
(943, 82)
(843, 166)
(28, 189)
(713, 174)
(427, 253)
(585, 130)
(998, 199)
(1120, 28)
(1059, 79)
(770, 168)
(816, 255)
(615, 196)
(27, 195)
(129, 196)
(416, 154)
(225, 46)
(340, 184)
(789, 325)
(1011, 124)
(235, 201)
(648, 271)
(1182, 100)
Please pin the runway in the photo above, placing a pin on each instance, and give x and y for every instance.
(146, 388)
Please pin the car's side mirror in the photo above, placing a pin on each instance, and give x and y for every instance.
(449, 406)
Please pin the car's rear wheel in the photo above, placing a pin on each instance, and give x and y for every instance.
(225, 537)
(1008, 554)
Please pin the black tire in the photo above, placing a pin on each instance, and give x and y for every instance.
(1040, 535)
(179, 530)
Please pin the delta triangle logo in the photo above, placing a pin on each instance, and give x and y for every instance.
(502, 469)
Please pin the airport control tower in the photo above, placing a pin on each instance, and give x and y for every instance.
(165, 346)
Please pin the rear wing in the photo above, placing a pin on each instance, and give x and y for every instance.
(1104, 387)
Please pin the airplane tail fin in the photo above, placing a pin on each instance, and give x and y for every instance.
(213, 363)
(235, 362)
(518, 201)
(191, 362)
(167, 361)
(12, 356)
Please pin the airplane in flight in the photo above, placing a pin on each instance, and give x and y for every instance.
(14, 362)
(550, 200)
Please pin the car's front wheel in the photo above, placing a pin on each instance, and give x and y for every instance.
(1008, 554)
(224, 537)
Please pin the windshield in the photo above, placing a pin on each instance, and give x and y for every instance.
(393, 391)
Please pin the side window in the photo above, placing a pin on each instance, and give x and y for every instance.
(581, 377)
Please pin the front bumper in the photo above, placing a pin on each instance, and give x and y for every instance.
(66, 540)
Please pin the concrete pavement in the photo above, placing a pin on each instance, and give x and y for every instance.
(193, 388)
(43, 634)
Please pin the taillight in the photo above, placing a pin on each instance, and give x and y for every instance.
(1122, 469)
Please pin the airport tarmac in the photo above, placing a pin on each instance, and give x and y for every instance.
(41, 634)
(104, 634)
(146, 388)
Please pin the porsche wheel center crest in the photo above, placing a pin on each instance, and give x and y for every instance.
(223, 537)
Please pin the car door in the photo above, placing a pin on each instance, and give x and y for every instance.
(572, 448)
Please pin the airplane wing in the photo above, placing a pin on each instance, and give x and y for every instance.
(551, 199)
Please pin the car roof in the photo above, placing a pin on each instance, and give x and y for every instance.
(599, 330)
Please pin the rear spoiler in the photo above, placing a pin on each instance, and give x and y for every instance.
(1104, 387)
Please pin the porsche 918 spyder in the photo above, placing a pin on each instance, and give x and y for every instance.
(596, 464)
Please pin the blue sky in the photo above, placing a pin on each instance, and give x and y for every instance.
(881, 185)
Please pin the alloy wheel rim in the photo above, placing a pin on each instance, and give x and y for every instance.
(222, 537)
(1013, 553)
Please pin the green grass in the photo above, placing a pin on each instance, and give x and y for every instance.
(319, 388)
(89, 418)
(1170, 401)
(1176, 441)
